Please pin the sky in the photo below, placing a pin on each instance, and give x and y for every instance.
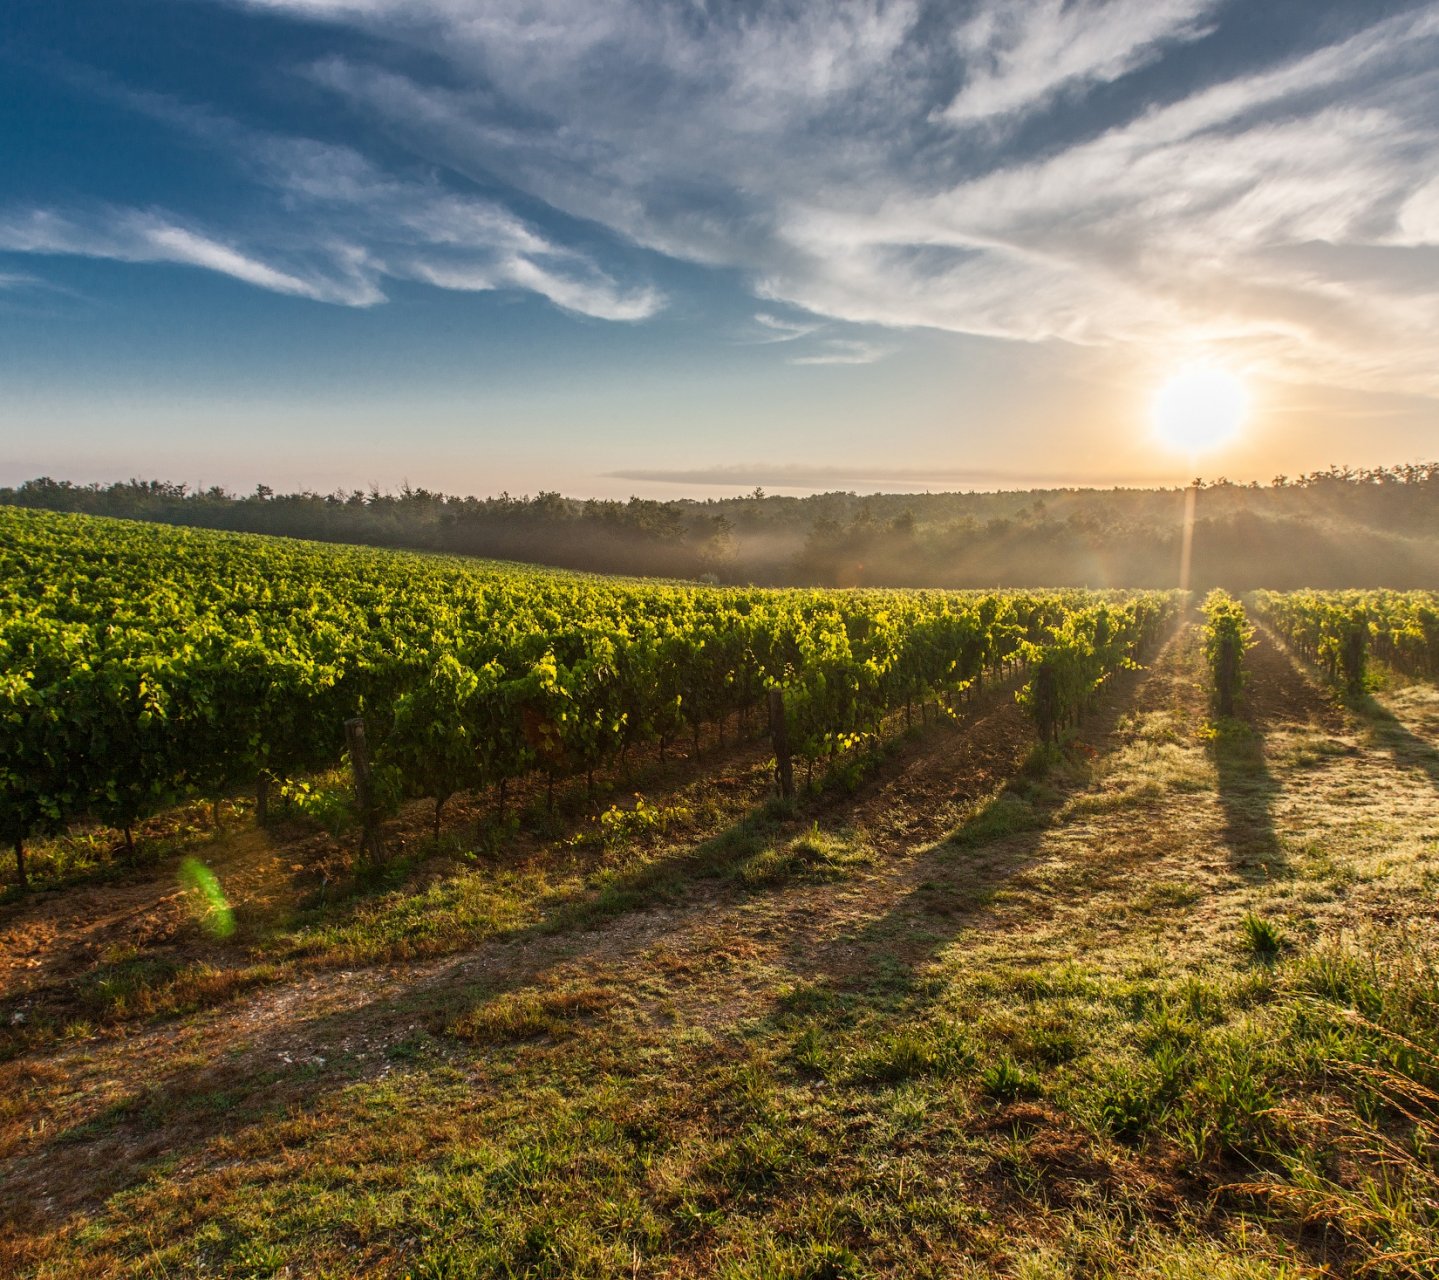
(689, 247)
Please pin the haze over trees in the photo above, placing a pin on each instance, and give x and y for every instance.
(1338, 528)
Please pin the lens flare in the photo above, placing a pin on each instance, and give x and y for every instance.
(207, 899)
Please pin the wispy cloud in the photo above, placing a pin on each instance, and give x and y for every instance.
(817, 342)
(1021, 54)
(128, 235)
(22, 280)
(337, 230)
(862, 162)
(844, 351)
(778, 329)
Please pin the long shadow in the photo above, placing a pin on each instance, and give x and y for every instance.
(295, 1064)
(1000, 840)
(1277, 693)
(60, 999)
(289, 1065)
(1247, 791)
(178, 1113)
(279, 1068)
(1407, 749)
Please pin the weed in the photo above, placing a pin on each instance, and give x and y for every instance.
(618, 826)
(811, 1052)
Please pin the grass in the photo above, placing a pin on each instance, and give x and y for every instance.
(1264, 938)
(526, 1015)
(1121, 1015)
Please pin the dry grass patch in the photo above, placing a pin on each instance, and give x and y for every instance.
(529, 1014)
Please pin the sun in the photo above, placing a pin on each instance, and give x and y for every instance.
(1200, 408)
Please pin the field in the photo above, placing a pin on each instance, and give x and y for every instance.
(1155, 999)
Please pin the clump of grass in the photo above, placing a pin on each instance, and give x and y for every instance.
(926, 1050)
(814, 855)
(130, 984)
(811, 1053)
(438, 918)
(1130, 1107)
(772, 1259)
(1008, 814)
(758, 1156)
(1005, 1080)
(1265, 939)
(1364, 1158)
(1231, 1104)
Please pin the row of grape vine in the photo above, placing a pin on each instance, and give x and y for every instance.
(1340, 630)
(141, 664)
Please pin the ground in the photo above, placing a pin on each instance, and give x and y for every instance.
(1140, 1007)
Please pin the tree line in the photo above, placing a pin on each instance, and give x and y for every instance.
(1339, 528)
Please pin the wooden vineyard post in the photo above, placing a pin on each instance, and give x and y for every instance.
(779, 732)
(364, 796)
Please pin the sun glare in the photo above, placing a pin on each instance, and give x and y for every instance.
(1200, 408)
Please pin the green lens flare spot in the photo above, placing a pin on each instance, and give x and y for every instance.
(211, 906)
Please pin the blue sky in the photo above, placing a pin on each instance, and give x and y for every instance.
(627, 246)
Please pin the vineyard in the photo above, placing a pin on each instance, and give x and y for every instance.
(1340, 629)
(1093, 936)
(142, 665)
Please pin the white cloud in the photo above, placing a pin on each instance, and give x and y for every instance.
(1021, 54)
(340, 230)
(595, 296)
(778, 329)
(128, 235)
(824, 348)
(844, 351)
(176, 244)
(797, 145)
(1419, 218)
(21, 280)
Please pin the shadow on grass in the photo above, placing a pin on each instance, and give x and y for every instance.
(1247, 790)
(1280, 694)
(277, 1063)
(1407, 749)
(1001, 838)
(503, 982)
